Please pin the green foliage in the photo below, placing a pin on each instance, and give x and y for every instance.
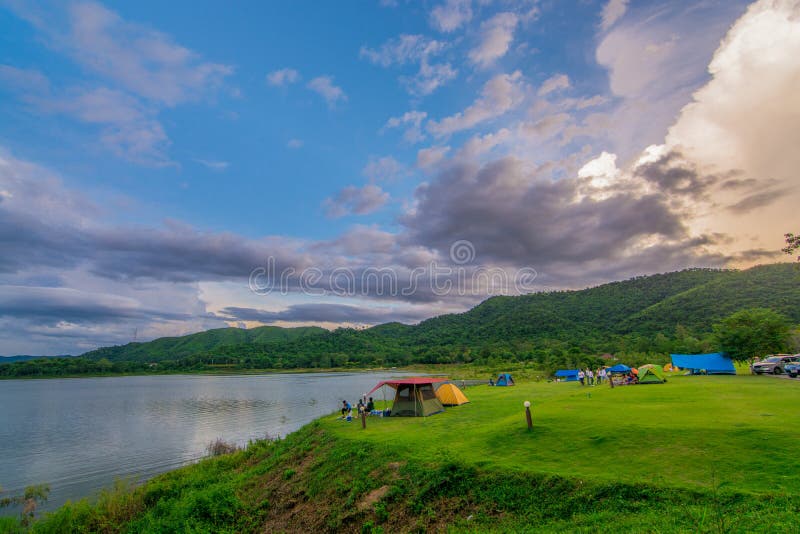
(30, 499)
(792, 244)
(640, 321)
(672, 458)
(752, 332)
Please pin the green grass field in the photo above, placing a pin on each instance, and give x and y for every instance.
(698, 454)
(740, 431)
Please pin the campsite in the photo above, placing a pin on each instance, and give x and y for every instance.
(681, 456)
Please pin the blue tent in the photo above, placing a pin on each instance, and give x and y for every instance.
(504, 380)
(619, 368)
(714, 363)
(571, 375)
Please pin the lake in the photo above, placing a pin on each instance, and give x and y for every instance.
(79, 434)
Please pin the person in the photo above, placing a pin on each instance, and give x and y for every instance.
(345, 408)
(581, 376)
(590, 374)
(491, 381)
(370, 405)
(360, 406)
(601, 373)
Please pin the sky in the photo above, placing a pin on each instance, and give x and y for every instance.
(167, 168)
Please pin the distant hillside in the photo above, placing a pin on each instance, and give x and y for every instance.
(21, 358)
(658, 313)
(172, 348)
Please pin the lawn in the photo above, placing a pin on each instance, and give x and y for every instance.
(736, 432)
(698, 454)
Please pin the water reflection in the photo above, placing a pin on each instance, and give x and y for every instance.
(78, 435)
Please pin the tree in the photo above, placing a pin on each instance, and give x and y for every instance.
(752, 332)
(792, 244)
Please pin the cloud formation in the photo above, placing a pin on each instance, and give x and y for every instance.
(496, 35)
(354, 200)
(499, 95)
(324, 86)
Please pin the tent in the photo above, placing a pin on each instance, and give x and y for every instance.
(570, 375)
(619, 368)
(504, 380)
(714, 363)
(651, 374)
(450, 395)
(413, 396)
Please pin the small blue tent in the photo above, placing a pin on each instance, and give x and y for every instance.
(714, 363)
(504, 380)
(619, 368)
(570, 375)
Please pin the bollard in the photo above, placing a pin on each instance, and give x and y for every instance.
(363, 419)
(527, 405)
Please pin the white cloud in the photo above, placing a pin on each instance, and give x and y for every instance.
(612, 12)
(479, 145)
(554, 83)
(143, 61)
(497, 33)
(413, 49)
(401, 50)
(747, 117)
(283, 77)
(214, 165)
(324, 86)
(451, 15)
(656, 56)
(354, 200)
(412, 121)
(430, 157)
(499, 95)
(295, 143)
(385, 169)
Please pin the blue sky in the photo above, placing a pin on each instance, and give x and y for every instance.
(153, 155)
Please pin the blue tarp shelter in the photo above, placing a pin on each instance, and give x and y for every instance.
(570, 375)
(714, 363)
(504, 380)
(619, 368)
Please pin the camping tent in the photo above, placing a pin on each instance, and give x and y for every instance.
(714, 363)
(414, 396)
(619, 368)
(504, 380)
(651, 374)
(570, 375)
(450, 395)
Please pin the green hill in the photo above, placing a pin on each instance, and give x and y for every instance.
(171, 348)
(651, 314)
(643, 318)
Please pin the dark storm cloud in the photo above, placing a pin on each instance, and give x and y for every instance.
(673, 174)
(50, 305)
(336, 313)
(757, 200)
(513, 216)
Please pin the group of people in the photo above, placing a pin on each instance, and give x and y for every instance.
(363, 406)
(587, 377)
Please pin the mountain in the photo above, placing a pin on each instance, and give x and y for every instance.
(648, 314)
(172, 348)
(25, 358)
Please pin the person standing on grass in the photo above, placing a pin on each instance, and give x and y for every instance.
(581, 376)
(590, 374)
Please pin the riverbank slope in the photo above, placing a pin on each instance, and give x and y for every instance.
(701, 454)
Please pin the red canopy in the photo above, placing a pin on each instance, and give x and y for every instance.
(417, 380)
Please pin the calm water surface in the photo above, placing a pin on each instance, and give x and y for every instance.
(79, 434)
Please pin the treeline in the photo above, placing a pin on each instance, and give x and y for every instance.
(640, 320)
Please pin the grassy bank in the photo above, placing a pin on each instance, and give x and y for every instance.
(698, 454)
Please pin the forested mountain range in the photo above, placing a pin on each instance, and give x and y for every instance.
(643, 318)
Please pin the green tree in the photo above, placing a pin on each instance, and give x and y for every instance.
(792, 244)
(752, 332)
